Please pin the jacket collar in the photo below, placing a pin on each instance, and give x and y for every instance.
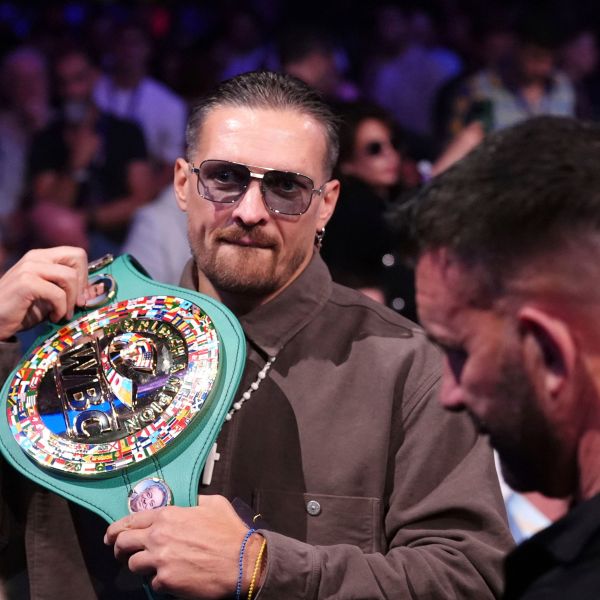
(271, 325)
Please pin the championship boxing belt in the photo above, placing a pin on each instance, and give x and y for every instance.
(119, 409)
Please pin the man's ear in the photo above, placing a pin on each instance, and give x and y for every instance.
(327, 205)
(180, 182)
(551, 338)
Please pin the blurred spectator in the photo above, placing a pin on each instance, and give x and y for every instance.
(26, 110)
(402, 76)
(242, 47)
(88, 169)
(129, 92)
(578, 59)
(495, 47)
(423, 31)
(413, 50)
(498, 45)
(526, 86)
(460, 32)
(358, 245)
(309, 54)
(158, 238)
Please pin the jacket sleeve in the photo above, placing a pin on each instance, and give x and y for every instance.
(444, 522)
(11, 532)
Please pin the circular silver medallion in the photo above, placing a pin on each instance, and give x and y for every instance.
(149, 494)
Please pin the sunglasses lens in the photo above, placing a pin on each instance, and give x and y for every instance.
(373, 149)
(287, 193)
(226, 182)
(222, 181)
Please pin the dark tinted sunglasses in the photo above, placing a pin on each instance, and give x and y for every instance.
(283, 192)
(376, 148)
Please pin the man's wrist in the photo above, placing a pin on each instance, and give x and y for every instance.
(250, 562)
(259, 568)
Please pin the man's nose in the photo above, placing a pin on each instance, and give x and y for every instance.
(250, 209)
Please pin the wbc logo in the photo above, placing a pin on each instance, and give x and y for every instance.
(109, 386)
(114, 387)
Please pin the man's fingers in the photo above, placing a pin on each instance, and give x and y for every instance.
(69, 256)
(129, 542)
(54, 283)
(28, 299)
(142, 563)
(140, 520)
(44, 283)
(65, 266)
(51, 298)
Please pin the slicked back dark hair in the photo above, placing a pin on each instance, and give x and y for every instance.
(267, 90)
(522, 194)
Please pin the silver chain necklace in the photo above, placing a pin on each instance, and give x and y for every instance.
(214, 455)
(262, 374)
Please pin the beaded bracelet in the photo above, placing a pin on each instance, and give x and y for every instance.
(238, 588)
(256, 569)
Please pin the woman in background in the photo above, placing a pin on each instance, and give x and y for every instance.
(374, 171)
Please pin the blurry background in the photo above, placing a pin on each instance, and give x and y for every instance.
(94, 96)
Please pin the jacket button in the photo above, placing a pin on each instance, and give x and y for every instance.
(313, 508)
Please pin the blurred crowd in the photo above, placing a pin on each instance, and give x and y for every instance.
(94, 99)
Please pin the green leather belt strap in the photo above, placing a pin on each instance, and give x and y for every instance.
(118, 410)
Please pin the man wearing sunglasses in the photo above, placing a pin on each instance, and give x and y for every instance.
(364, 486)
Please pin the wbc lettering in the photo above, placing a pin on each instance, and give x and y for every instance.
(114, 383)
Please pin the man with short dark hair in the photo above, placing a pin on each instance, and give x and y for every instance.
(129, 92)
(508, 252)
(525, 84)
(364, 486)
(88, 169)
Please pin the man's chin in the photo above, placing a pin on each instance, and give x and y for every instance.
(516, 482)
(252, 278)
(523, 479)
(252, 271)
(252, 289)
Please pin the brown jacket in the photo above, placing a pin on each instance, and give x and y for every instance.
(404, 500)
(409, 505)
